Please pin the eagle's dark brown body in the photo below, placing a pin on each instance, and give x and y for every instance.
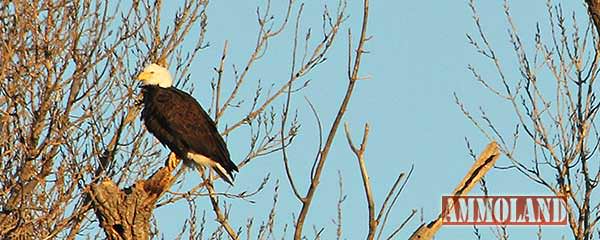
(180, 123)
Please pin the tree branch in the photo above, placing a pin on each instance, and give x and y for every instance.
(332, 132)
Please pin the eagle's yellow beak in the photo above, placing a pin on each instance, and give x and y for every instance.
(144, 76)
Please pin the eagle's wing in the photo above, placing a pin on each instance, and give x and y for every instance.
(191, 124)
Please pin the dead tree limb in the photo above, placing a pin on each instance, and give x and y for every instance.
(484, 163)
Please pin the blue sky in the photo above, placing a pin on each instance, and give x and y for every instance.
(418, 58)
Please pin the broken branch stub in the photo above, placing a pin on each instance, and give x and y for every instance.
(126, 213)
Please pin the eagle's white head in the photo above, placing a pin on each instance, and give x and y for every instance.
(154, 74)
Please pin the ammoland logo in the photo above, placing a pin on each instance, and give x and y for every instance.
(504, 210)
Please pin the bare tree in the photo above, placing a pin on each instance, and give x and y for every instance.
(552, 93)
(75, 158)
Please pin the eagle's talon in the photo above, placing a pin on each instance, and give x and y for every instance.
(172, 162)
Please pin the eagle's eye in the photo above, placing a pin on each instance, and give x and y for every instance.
(151, 72)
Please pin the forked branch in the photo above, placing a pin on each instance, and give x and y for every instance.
(360, 156)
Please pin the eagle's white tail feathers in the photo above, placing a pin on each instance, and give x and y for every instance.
(204, 161)
(201, 159)
(223, 173)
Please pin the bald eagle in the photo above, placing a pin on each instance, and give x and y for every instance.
(178, 121)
